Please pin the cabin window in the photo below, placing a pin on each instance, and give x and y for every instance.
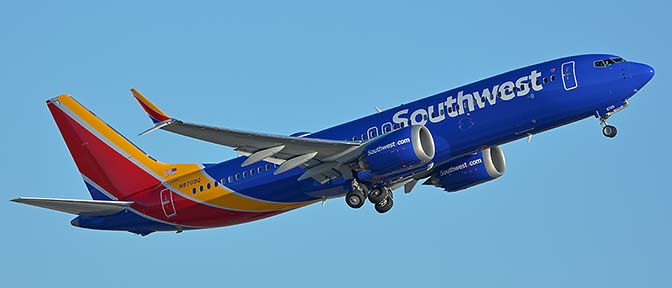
(552, 77)
(200, 188)
(387, 127)
(373, 132)
(354, 138)
(268, 167)
(237, 176)
(545, 80)
(244, 174)
(230, 179)
(252, 172)
(193, 190)
(363, 137)
(216, 183)
(260, 169)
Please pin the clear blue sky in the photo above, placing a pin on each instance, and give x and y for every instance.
(575, 208)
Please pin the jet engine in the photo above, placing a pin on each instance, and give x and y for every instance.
(398, 150)
(480, 167)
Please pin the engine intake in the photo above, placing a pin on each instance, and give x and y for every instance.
(399, 150)
(483, 166)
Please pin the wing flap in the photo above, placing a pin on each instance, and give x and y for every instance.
(76, 206)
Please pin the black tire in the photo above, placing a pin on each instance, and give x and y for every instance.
(355, 199)
(385, 205)
(609, 131)
(377, 195)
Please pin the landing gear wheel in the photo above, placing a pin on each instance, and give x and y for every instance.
(377, 195)
(609, 131)
(385, 205)
(355, 199)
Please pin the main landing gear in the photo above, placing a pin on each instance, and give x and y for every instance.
(356, 197)
(380, 197)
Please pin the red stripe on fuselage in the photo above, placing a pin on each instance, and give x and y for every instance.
(125, 180)
(193, 213)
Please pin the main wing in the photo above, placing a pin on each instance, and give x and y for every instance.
(323, 159)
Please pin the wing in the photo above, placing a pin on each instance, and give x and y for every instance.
(75, 206)
(323, 159)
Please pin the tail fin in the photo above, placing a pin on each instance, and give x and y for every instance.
(105, 158)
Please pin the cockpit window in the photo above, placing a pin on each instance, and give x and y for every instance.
(607, 62)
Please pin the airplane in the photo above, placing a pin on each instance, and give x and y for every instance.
(451, 140)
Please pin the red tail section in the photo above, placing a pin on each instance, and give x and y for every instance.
(105, 157)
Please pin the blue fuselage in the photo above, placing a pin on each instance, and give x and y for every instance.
(489, 112)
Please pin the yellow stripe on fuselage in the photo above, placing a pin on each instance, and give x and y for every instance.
(222, 196)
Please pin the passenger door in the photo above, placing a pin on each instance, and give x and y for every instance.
(569, 75)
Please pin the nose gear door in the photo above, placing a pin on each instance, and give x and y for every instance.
(569, 75)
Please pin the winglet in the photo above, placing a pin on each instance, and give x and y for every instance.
(154, 112)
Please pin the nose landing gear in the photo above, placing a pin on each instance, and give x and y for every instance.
(604, 114)
(609, 131)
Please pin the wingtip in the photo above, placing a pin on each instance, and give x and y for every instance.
(155, 113)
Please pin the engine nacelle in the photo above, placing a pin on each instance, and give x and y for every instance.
(485, 165)
(398, 150)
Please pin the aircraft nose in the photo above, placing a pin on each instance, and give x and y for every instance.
(640, 74)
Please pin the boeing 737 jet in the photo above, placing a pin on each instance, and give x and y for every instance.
(451, 140)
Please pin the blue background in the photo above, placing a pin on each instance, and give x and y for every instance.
(575, 208)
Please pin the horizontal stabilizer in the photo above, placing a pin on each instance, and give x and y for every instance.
(76, 206)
